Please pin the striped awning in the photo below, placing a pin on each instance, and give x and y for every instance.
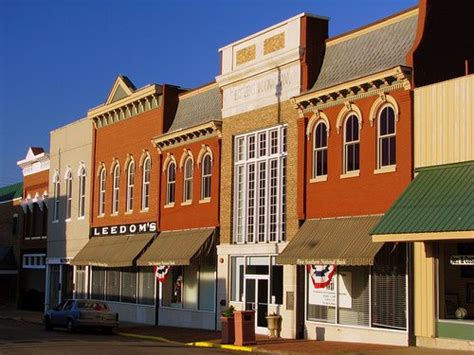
(335, 241)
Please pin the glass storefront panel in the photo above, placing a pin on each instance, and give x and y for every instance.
(146, 285)
(81, 291)
(98, 283)
(129, 285)
(207, 288)
(353, 295)
(53, 285)
(113, 285)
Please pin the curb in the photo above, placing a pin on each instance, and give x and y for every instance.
(20, 319)
(199, 344)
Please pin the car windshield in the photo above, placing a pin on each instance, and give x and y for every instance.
(92, 305)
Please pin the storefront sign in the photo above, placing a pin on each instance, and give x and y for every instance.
(118, 229)
(462, 260)
(327, 296)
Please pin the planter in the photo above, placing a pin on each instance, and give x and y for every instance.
(274, 325)
(228, 330)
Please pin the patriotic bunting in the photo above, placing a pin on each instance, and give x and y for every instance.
(321, 275)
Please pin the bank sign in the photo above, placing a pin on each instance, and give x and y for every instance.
(118, 229)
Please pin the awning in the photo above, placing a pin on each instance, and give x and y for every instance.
(335, 241)
(437, 205)
(7, 260)
(183, 247)
(113, 251)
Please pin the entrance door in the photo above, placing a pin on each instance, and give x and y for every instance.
(256, 298)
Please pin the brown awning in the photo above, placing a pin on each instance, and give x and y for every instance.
(336, 241)
(183, 247)
(113, 251)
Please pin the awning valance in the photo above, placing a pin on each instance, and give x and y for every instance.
(437, 205)
(113, 251)
(335, 241)
(183, 247)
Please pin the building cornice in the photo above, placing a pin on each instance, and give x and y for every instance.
(186, 135)
(385, 81)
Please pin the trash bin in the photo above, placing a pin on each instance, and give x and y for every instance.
(244, 327)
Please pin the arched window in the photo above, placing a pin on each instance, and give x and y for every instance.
(68, 194)
(206, 174)
(146, 184)
(130, 185)
(386, 137)
(170, 183)
(188, 180)
(116, 189)
(102, 192)
(82, 192)
(351, 144)
(320, 150)
(56, 192)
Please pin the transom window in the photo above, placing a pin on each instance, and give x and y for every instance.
(116, 189)
(320, 150)
(351, 144)
(386, 137)
(102, 192)
(171, 183)
(206, 177)
(188, 180)
(260, 186)
(146, 184)
(68, 194)
(130, 185)
(82, 193)
(56, 188)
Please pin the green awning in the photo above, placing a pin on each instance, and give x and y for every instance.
(335, 241)
(439, 201)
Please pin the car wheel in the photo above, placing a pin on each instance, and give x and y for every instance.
(47, 324)
(70, 326)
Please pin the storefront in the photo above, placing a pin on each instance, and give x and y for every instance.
(355, 290)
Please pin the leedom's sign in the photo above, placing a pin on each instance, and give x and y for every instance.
(133, 228)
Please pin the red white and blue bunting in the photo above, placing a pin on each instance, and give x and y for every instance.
(161, 271)
(321, 275)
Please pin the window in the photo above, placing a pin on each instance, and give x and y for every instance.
(351, 144)
(116, 189)
(34, 261)
(386, 137)
(170, 183)
(56, 197)
(188, 180)
(81, 290)
(146, 286)
(320, 150)
(206, 177)
(113, 285)
(130, 185)
(260, 186)
(82, 192)
(129, 285)
(146, 184)
(68, 194)
(102, 192)
(98, 283)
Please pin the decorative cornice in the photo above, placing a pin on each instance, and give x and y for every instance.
(375, 84)
(169, 140)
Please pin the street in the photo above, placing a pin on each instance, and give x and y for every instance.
(18, 337)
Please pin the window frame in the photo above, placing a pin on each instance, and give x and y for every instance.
(146, 177)
(188, 175)
(116, 189)
(130, 187)
(102, 186)
(68, 181)
(388, 136)
(347, 144)
(323, 149)
(206, 178)
(170, 185)
(56, 192)
(81, 211)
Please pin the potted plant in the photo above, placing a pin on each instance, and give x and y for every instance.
(228, 331)
(274, 325)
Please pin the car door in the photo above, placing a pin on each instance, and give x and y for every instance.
(62, 314)
(55, 313)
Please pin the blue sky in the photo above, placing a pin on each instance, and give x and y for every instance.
(59, 58)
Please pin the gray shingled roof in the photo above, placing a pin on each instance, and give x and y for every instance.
(197, 109)
(370, 53)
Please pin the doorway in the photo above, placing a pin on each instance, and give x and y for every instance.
(256, 298)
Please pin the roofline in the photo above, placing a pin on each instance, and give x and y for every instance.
(267, 29)
(69, 124)
(11, 200)
(445, 166)
(198, 90)
(40, 157)
(372, 26)
(423, 236)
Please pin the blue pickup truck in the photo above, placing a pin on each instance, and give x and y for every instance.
(73, 314)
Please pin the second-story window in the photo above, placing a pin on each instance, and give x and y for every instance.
(146, 184)
(68, 194)
(351, 144)
(170, 183)
(116, 189)
(82, 192)
(102, 192)
(386, 137)
(56, 192)
(206, 177)
(130, 185)
(188, 180)
(320, 150)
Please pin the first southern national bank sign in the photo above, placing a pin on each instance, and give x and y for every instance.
(134, 228)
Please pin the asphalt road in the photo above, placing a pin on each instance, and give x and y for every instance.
(26, 338)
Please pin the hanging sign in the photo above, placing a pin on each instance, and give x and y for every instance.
(321, 275)
(161, 271)
(462, 260)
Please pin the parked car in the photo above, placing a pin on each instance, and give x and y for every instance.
(73, 314)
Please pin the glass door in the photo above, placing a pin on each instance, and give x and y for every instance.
(256, 299)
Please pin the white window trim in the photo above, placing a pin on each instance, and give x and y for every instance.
(350, 173)
(385, 168)
(168, 202)
(130, 187)
(146, 184)
(56, 192)
(204, 176)
(28, 264)
(315, 175)
(188, 180)
(102, 181)
(68, 181)
(82, 193)
(115, 189)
